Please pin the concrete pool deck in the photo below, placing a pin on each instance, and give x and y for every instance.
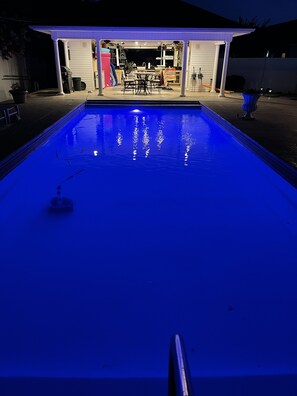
(274, 127)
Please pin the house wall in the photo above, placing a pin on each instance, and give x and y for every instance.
(81, 61)
(278, 74)
(201, 54)
(12, 67)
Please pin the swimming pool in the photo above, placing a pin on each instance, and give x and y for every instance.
(176, 227)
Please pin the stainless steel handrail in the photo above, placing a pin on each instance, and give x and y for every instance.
(179, 377)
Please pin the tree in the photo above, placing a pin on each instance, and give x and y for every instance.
(250, 45)
(13, 37)
(252, 23)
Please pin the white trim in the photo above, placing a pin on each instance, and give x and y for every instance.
(124, 33)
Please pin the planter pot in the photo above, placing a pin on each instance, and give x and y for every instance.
(19, 95)
(249, 105)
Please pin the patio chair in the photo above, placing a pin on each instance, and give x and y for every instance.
(169, 76)
(142, 84)
(155, 83)
(9, 112)
(129, 84)
(3, 117)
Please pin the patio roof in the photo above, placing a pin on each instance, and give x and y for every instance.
(141, 33)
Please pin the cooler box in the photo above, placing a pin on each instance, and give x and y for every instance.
(105, 58)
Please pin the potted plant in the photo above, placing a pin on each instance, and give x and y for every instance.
(250, 98)
(18, 93)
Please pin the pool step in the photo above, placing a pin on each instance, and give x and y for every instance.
(144, 102)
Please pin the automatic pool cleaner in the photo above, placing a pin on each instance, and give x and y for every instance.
(60, 204)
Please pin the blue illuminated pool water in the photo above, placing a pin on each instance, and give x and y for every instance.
(176, 227)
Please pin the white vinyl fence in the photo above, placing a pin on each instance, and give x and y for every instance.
(278, 74)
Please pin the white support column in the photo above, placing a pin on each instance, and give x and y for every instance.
(225, 67)
(117, 57)
(163, 57)
(66, 53)
(215, 69)
(99, 67)
(175, 57)
(58, 66)
(184, 69)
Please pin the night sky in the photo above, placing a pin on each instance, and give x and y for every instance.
(271, 11)
(277, 11)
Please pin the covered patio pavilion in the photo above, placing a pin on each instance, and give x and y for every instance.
(99, 34)
(78, 26)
